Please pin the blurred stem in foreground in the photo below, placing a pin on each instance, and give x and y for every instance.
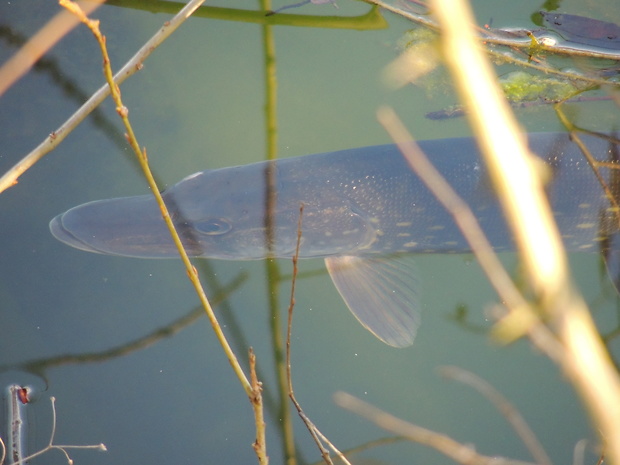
(52, 141)
(586, 362)
(55, 29)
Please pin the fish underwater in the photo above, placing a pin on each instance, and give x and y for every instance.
(364, 212)
(582, 31)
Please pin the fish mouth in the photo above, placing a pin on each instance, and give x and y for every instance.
(130, 227)
(64, 235)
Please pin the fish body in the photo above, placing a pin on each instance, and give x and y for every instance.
(583, 31)
(363, 211)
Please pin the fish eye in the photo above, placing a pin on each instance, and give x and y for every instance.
(213, 226)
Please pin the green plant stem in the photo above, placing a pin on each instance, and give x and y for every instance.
(271, 267)
(372, 20)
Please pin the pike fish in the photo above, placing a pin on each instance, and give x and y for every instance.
(364, 213)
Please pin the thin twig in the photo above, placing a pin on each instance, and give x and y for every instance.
(16, 422)
(502, 404)
(134, 64)
(191, 270)
(260, 444)
(28, 54)
(291, 306)
(143, 159)
(61, 447)
(316, 434)
(289, 377)
(460, 453)
(368, 445)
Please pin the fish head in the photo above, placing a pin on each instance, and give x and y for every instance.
(227, 214)
(217, 213)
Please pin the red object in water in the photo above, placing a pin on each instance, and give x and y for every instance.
(22, 394)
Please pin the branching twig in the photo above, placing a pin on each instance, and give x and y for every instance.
(123, 112)
(369, 445)
(316, 434)
(142, 158)
(134, 64)
(289, 377)
(51, 446)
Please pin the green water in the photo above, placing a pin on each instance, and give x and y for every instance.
(199, 104)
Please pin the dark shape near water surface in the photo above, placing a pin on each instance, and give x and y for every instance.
(584, 31)
(365, 213)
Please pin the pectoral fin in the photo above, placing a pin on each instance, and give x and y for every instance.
(381, 293)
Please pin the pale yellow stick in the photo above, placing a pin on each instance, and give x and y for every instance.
(40, 43)
(134, 64)
(463, 454)
(587, 363)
